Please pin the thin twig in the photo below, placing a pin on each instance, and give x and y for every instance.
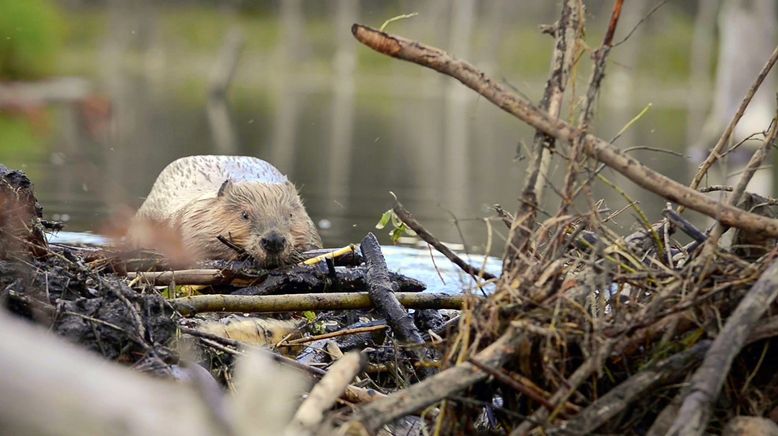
(504, 215)
(639, 23)
(593, 146)
(714, 154)
(567, 32)
(715, 188)
(707, 381)
(531, 392)
(240, 250)
(410, 221)
(598, 72)
(740, 188)
(237, 345)
(369, 329)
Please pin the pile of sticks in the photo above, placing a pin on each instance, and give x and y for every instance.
(590, 331)
(586, 331)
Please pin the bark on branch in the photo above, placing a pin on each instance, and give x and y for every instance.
(709, 378)
(407, 217)
(440, 385)
(386, 301)
(298, 280)
(566, 33)
(285, 303)
(619, 398)
(593, 146)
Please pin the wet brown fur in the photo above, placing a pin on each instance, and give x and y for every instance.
(212, 212)
(271, 207)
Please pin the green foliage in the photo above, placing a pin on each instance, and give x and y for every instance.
(202, 29)
(19, 143)
(315, 327)
(310, 316)
(663, 55)
(30, 37)
(399, 229)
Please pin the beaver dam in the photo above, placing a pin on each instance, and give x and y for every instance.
(667, 330)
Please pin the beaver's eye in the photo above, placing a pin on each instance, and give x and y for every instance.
(245, 215)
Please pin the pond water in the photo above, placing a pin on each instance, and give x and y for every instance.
(345, 124)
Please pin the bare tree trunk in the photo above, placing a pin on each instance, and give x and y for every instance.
(342, 109)
(217, 109)
(129, 95)
(285, 123)
(752, 24)
(457, 125)
(699, 74)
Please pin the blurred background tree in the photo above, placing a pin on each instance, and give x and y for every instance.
(30, 38)
(346, 124)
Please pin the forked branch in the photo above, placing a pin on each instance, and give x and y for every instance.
(593, 146)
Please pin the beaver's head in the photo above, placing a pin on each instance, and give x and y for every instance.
(268, 221)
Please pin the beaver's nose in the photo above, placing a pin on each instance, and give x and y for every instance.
(273, 242)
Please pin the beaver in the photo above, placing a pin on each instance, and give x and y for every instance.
(243, 199)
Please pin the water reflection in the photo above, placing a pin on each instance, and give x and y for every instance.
(346, 125)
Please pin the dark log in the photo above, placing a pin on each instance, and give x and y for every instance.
(385, 301)
(311, 279)
(382, 294)
(123, 261)
(21, 231)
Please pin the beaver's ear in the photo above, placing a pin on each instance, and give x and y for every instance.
(224, 187)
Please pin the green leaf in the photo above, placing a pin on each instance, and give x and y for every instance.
(397, 233)
(385, 219)
(310, 316)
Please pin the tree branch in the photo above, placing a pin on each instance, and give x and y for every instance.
(299, 302)
(407, 217)
(707, 381)
(593, 146)
(715, 153)
(566, 32)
